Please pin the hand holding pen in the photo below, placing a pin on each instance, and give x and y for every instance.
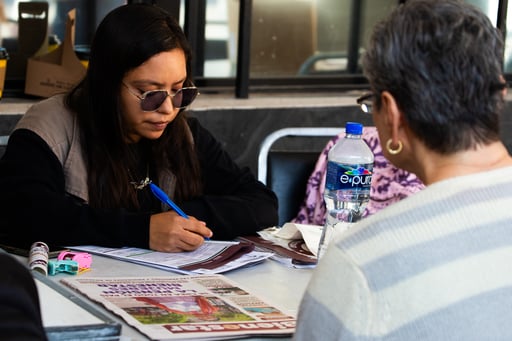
(174, 231)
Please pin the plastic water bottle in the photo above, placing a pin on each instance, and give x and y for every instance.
(347, 184)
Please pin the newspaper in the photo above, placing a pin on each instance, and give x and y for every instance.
(212, 257)
(294, 245)
(290, 252)
(199, 307)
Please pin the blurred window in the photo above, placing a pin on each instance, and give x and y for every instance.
(295, 44)
(289, 37)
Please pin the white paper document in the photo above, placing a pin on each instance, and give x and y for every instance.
(210, 258)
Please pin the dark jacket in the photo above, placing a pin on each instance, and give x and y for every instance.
(37, 207)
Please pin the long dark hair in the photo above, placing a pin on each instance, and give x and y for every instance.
(128, 36)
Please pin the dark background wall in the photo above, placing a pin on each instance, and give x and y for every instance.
(241, 131)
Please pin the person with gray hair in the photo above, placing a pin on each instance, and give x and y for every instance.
(436, 265)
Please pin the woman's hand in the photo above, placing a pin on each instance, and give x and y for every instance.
(169, 232)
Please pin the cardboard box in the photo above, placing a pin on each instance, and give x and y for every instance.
(57, 71)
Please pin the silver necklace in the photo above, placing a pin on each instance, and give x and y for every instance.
(138, 185)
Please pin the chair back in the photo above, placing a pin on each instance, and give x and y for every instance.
(286, 171)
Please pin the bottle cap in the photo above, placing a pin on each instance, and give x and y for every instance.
(353, 128)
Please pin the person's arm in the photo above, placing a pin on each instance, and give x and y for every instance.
(35, 205)
(337, 304)
(20, 316)
(234, 203)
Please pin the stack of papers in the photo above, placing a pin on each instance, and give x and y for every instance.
(212, 257)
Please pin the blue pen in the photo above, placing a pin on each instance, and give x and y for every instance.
(157, 191)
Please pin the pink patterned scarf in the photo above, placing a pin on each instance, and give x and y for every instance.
(389, 184)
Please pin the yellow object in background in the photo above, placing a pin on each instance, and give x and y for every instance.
(3, 67)
(82, 52)
(53, 42)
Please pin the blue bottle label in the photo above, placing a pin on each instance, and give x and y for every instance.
(348, 176)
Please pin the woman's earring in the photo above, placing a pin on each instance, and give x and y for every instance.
(394, 151)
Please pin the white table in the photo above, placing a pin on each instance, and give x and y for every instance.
(272, 281)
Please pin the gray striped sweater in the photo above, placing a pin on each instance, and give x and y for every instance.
(435, 266)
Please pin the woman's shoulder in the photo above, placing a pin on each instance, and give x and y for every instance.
(46, 114)
(47, 111)
(52, 121)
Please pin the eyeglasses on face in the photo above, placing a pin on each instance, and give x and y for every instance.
(366, 102)
(153, 99)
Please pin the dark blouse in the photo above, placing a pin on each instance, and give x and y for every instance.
(35, 206)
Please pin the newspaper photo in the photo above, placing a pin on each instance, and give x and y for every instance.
(199, 307)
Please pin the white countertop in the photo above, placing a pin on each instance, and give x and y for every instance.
(275, 283)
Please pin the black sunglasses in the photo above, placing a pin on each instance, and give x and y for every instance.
(366, 102)
(153, 99)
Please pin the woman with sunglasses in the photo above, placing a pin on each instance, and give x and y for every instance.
(78, 166)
